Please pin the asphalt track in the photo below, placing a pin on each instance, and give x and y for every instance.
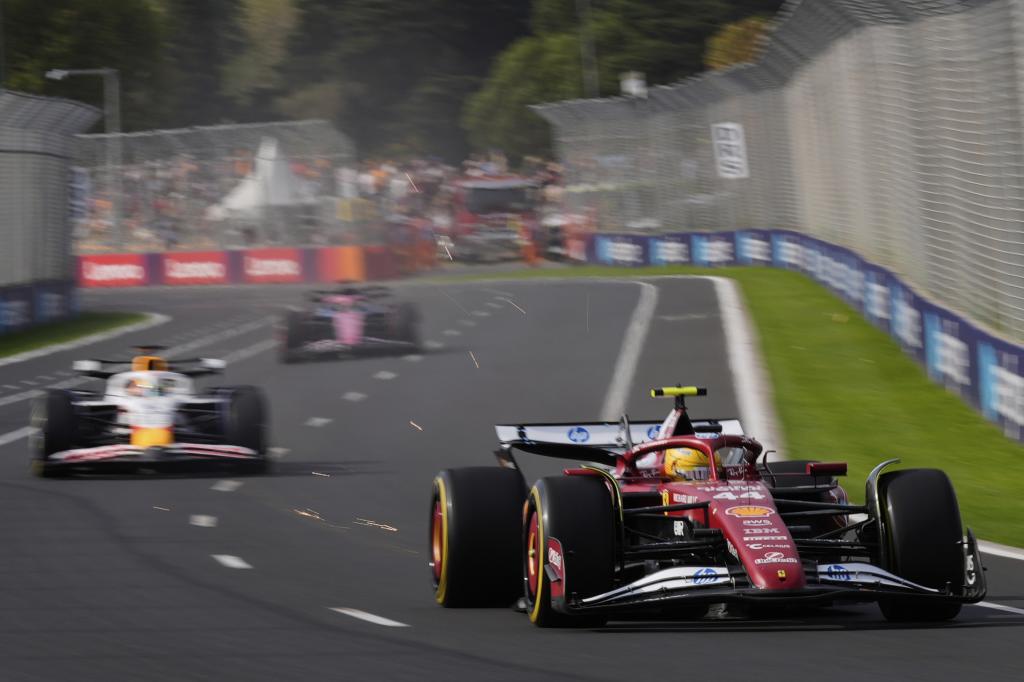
(216, 576)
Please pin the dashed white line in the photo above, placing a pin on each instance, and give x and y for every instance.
(412, 358)
(44, 377)
(433, 345)
(467, 323)
(452, 332)
(384, 375)
(230, 561)
(17, 434)
(278, 453)
(317, 422)
(492, 304)
(1001, 607)
(369, 617)
(203, 521)
(354, 396)
(27, 382)
(481, 313)
(10, 386)
(226, 486)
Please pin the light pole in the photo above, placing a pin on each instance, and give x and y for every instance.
(112, 128)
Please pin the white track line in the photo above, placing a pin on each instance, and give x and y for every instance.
(249, 351)
(1001, 607)
(384, 375)
(629, 356)
(354, 396)
(757, 412)
(278, 453)
(230, 561)
(481, 313)
(452, 332)
(370, 618)
(17, 434)
(1001, 550)
(412, 358)
(153, 319)
(433, 345)
(317, 422)
(467, 323)
(203, 521)
(226, 486)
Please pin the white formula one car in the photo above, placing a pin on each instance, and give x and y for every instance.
(151, 416)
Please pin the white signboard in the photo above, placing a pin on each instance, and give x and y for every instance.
(730, 151)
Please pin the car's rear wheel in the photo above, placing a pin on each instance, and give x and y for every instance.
(924, 540)
(576, 512)
(291, 337)
(407, 324)
(245, 425)
(53, 416)
(475, 522)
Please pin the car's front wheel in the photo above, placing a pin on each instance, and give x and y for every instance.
(568, 547)
(924, 536)
(53, 417)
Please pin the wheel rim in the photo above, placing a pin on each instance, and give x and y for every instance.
(533, 554)
(437, 541)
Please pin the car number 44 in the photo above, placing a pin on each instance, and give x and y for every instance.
(742, 496)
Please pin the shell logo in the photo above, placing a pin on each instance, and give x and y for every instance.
(749, 510)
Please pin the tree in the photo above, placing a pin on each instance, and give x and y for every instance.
(76, 34)
(201, 40)
(736, 43)
(267, 26)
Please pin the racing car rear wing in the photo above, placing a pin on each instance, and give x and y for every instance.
(596, 441)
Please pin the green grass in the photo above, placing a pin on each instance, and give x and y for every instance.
(844, 390)
(65, 330)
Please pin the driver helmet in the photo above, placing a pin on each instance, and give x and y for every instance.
(686, 464)
(142, 388)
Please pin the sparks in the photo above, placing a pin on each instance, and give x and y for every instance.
(412, 423)
(161, 508)
(449, 253)
(474, 359)
(414, 187)
(317, 473)
(375, 524)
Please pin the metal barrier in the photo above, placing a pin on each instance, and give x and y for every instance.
(892, 127)
(36, 269)
(170, 189)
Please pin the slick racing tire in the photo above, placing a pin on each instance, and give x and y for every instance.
(245, 424)
(407, 324)
(577, 512)
(475, 523)
(291, 337)
(53, 416)
(924, 536)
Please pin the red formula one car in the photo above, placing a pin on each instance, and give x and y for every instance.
(678, 515)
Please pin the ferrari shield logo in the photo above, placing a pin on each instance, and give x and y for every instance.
(749, 510)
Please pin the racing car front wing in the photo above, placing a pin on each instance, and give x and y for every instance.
(853, 581)
(124, 452)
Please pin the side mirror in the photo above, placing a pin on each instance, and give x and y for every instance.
(826, 468)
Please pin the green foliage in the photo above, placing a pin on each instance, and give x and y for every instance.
(532, 70)
(736, 43)
(82, 34)
(663, 39)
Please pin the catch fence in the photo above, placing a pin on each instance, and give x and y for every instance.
(894, 128)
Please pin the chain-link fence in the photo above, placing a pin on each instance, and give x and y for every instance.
(211, 187)
(893, 127)
(36, 147)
